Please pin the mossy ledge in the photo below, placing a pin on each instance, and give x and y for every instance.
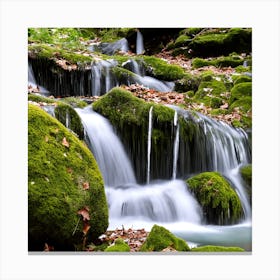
(118, 246)
(63, 178)
(160, 238)
(219, 201)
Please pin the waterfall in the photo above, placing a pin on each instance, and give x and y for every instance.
(107, 149)
(176, 145)
(67, 119)
(139, 43)
(150, 127)
(32, 81)
(166, 201)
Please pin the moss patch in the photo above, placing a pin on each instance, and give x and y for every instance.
(119, 246)
(240, 90)
(40, 98)
(220, 203)
(74, 102)
(63, 178)
(210, 248)
(160, 238)
(246, 173)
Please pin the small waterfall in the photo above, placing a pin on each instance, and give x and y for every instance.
(67, 119)
(32, 81)
(107, 149)
(112, 48)
(166, 201)
(134, 67)
(150, 127)
(139, 43)
(102, 78)
(176, 145)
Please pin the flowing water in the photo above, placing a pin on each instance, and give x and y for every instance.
(169, 203)
(107, 149)
(32, 81)
(150, 127)
(139, 43)
(176, 145)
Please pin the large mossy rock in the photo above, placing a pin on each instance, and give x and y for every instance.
(219, 201)
(160, 238)
(130, 117)
(211, 248)
(66, 197)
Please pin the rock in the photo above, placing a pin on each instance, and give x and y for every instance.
(219, 201)
(161, 239)
(56, 193)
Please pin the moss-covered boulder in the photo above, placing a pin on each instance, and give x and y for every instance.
(211, 248)
(240, 90)
(219, 201)
(66, 197)
(160, 238)
(118, 246)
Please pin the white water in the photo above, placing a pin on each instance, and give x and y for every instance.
(139, 43)
(109, 152)
(32, 81)
(166, 203)
(150, 127)
(176, 145)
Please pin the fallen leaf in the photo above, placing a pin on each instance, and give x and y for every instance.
(46, 138)
(86, 185)
(84, 212)
(65, 143)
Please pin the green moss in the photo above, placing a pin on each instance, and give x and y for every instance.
(160, 238)
(119, 246)
(40, 98)
(210, 248)
(221, 42)
(69, 118)
(242, 79)
(219, 111)
(240, 90)
(228, 61)
(42, 50)
(187, 83)
(244, 103)
(207, 90)
(162, 70)
(219, 201)
(246, 173)
(57, 173)
(120, 106)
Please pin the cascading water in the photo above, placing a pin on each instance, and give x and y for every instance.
(176, 145)
(107, 149)
(169, 203)
(32, 81)
(150, 127)
(139, 43)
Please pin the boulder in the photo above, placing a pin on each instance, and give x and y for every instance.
(66, 198)
(219, 201)
(160, 238)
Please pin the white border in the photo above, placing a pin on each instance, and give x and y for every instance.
(17, 16)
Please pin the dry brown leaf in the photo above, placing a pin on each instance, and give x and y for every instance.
(84, 212)
(86, 227)
(65, 143)
(86, 185)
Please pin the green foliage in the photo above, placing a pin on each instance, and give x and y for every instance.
(246, 173)
(59, 165)
(219, 201)
(160, 238)
(242, 79)
(210, 248)
(228, 61)
(119, 246)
